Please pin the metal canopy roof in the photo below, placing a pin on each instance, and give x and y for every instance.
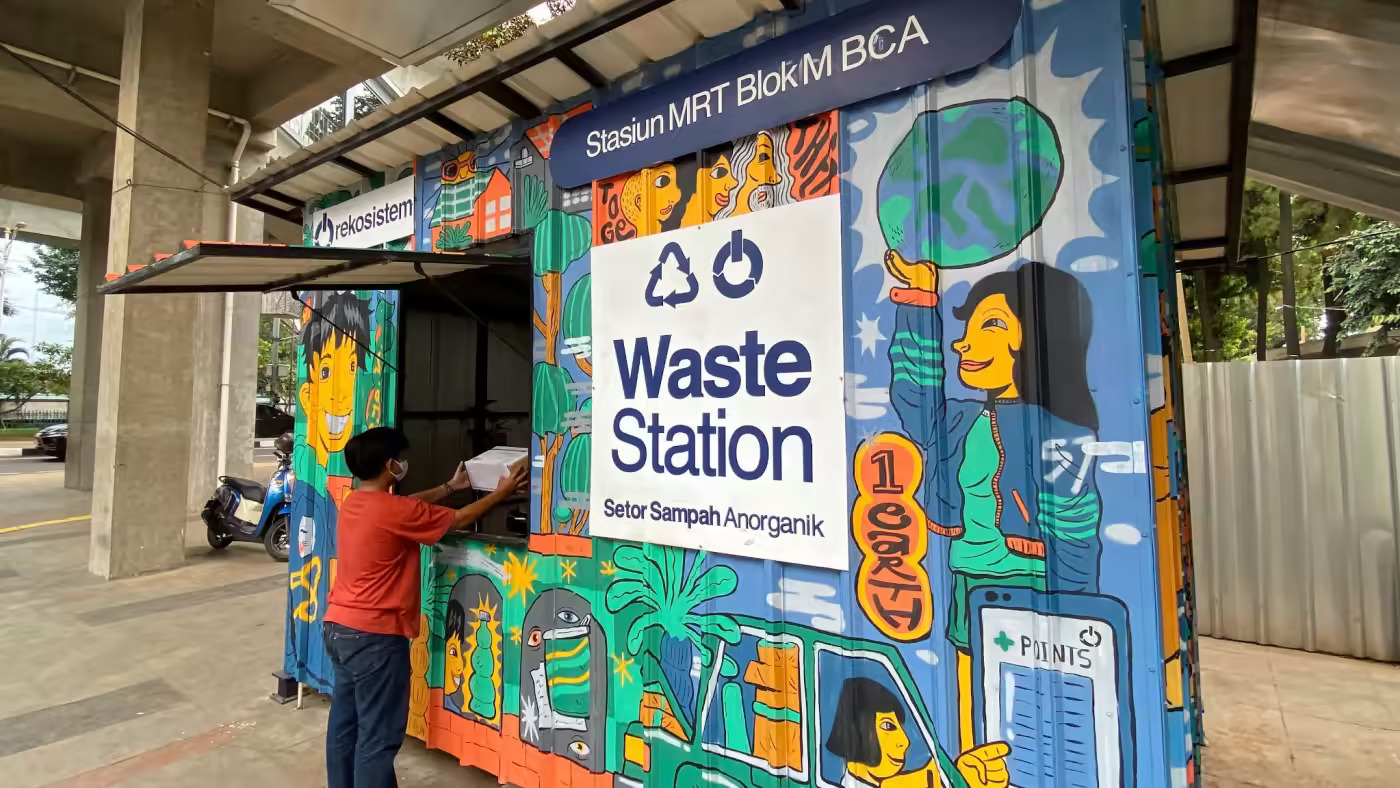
(231, 267)
(1206, 47)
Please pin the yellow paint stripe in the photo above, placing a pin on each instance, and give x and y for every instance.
(566, 654)
(569, 679)
(27, 526)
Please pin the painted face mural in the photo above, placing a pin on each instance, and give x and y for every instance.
(564, 649)
(651, 197)
(343, 387)
(332, 361)
(454, 663)
(762, 162)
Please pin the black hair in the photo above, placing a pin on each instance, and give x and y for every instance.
(456, 620)
(1051, 369)
(853, 737)
(367, 453)
(341, 312)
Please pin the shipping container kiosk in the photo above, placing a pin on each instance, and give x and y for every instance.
(843, 340)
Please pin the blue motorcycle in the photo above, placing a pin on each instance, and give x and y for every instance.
(245, 511)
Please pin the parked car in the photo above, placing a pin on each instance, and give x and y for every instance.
(53, 441)
(272, 422)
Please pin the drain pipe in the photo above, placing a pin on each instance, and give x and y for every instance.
(226, 371)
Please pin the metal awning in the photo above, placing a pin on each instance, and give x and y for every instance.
(232, 268)
(1207, 50)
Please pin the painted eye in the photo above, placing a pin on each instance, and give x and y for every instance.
(452, 651)
(325, 373)
(764, 158)
(886, 725)
(994, 322)
(568, 616)
(719, 172)
(662, 181)
(535, 638)
(579, 748)
(449, 171)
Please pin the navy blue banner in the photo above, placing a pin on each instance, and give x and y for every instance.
(879, 47)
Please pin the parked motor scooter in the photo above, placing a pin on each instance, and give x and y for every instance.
(245, 511)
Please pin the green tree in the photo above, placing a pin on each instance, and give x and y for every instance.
(56, 271)
(502, 34)
(1231, 296)
(1366, 273)
(278, 388)
(21, 380)
(11, 349)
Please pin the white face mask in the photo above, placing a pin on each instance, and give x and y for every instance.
(402, 471)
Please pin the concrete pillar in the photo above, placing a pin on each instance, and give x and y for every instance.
(140, 486)
(87, 334)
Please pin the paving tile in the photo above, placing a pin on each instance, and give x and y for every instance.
(1224, 688)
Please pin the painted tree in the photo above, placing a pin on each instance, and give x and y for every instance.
(552, 402)
(561, 239)
(483, 666)
(574, 478)
(667, 598)
(578, 321)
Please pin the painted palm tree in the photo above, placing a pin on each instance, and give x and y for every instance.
(668, 598)
(11, 349)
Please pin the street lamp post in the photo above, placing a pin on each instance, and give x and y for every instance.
(10, 233)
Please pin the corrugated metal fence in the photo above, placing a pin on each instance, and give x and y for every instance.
(1294, 502)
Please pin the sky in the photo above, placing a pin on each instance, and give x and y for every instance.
(39, 317)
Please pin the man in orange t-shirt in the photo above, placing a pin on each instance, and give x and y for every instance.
(372, 612)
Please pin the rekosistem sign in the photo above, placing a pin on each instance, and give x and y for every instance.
(372, 219)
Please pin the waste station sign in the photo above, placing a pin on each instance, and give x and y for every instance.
(718, 412)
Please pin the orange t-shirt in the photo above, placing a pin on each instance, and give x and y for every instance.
(376, 586)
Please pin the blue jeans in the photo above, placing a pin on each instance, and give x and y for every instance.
(369, 706)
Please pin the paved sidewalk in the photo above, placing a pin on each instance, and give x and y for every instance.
(163, 680)
(155, 681)
(1281, 718)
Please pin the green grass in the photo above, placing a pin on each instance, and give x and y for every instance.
(18, 432)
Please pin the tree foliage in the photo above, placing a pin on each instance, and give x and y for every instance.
(1367, 276)
(56, 271)
(502, 34)
(22, 379)
(1234, 294)
(278, 388)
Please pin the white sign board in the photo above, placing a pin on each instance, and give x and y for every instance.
(718, 416)
(372, 219)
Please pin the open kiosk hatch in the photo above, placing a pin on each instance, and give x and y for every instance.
(464, 346)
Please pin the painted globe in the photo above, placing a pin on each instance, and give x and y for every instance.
(968, 183)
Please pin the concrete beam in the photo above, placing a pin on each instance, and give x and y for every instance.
(25, 91)
(1335, 172)
(1375, 20)
(42, 223)
(34, 168)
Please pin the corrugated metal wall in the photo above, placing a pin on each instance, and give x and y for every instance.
(1294, 492)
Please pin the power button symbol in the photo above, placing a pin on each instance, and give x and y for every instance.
(730, 257)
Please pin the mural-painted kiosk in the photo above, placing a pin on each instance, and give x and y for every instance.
(842, 344)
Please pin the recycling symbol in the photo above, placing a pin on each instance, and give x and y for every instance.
(671, 282)
(737, 251)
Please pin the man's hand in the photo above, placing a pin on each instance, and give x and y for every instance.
(985, 766)
(514, 481)
(459, 480)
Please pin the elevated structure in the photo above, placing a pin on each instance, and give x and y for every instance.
(1326, 102)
